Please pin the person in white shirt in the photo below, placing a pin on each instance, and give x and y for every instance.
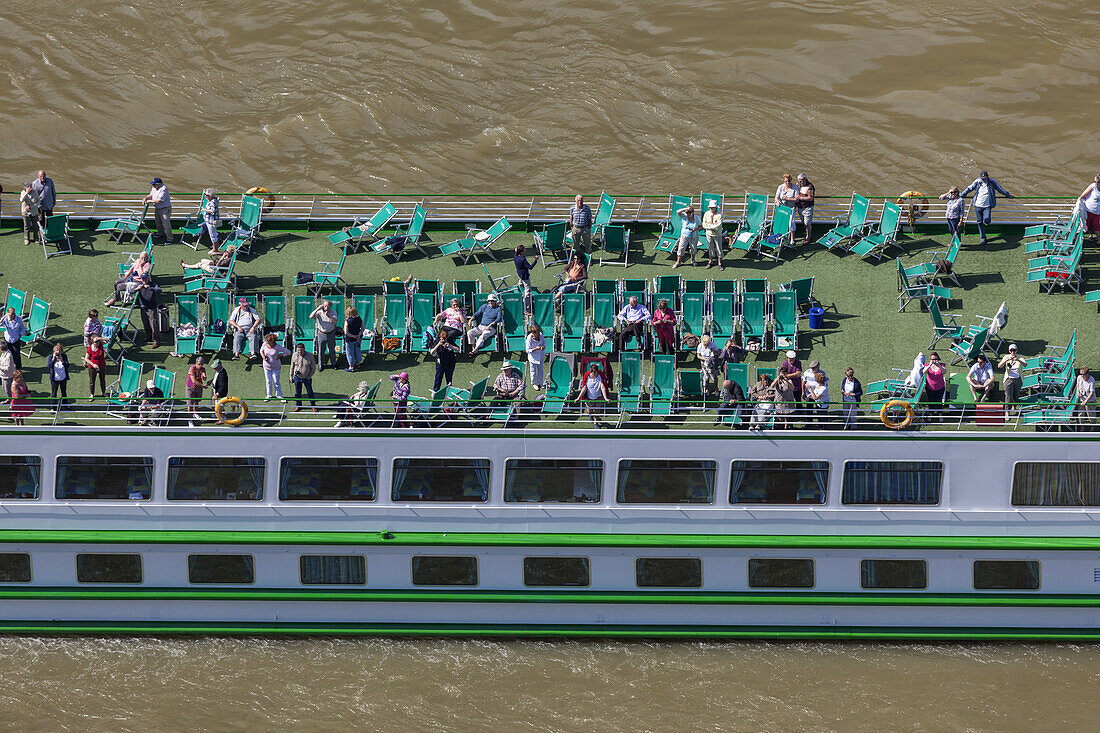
(536, 354)
(162, 208)
(324, 317)
(689, 235)
(980, 378)
(816, 390)
(712, 225)
(1013, 364)
(1086, 397)
(709, 359)
(786, 194)
(1090, 201)
(633, 317)
(246, 324)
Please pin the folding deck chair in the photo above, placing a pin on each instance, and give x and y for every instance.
(245, 229)
(558, 385)
(550, 243)
(36, 326)
(603, 317)
(121, 392)
(395, 322)
(630, 384)
(514, 332)
(750, 228)
(780, 232)
(693, 318)
(573, 325)
(910, 291)
(55, 232)
(723, 312)
(803, 288)
(477, 241)
(616, 240)
(275, 318)
(423, 313)
(785, 320)
(881, 235)
(672, 227)
(353, 236)
(330, 275)
(217, 310)
(16, 299)
(662, 390)
(405, 235)
(847, 227)
(125, 226)
(364, 304)
(187, 319)
(192, 225)
(753, 319)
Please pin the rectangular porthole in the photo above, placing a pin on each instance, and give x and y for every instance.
(96, 478)
(781, 572)
(1006, 574)
(332, 569)
(570, 572)
(666, 482)
(441, 479)
(560, 481)
(15, 567)
(221, 569)
(215, 479)
(779, 482)
(20, 477)
(668, 572)
(892, 482)
(108, 568)
(893, 574)
(328, 479)
(1056, 484)
(444, 570)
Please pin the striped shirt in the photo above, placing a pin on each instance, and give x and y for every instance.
(581, 216)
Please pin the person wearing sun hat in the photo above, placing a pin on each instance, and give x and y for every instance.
(1013, 364)
(712, 225)
(162, 208)
(509, 383)
(792, 369)
(400, 396)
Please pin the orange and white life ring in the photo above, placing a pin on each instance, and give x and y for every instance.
(263, 193)
(219, 410)
(915, 202)
(885, 414)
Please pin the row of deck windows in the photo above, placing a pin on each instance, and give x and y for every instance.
(532, 480)
(539, 572)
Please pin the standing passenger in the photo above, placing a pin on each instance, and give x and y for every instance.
(985, 199)
(786, 194)
(47, 196)
(210, 215)
(1086, 398)
(302, 369)
(805, 206)
(28, 206)
(580, 219)
(851, 392)
(162, 208)
(1090, 200)
(272, 354)
(712, 225)
(1013, 364)
(689, 235)
(536, 353)
(956, 206)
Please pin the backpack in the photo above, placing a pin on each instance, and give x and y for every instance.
(689, 341)
(303, 278)
(218, 327)
(428, 338)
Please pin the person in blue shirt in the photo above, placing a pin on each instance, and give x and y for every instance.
(523, 269)
(14, 329)
(985, 199)
(486, 320)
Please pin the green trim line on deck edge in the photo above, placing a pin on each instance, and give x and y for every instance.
(779, 633)
(545, 539)
(251, 595)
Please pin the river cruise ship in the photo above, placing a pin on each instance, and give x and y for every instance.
(656, 512)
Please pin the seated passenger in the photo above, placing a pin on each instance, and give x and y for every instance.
(732, 353)
(131, 279)
(572, 278)
(731, 399)
(451, 321)
(509, 383)
(352, 408)
(633, 317)
(151, 408)
(664, 325)
(487, 320)
(209, 265)
(980, 379)
(709, 362)
(763, 395)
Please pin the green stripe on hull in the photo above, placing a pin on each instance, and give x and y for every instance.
(547, 539)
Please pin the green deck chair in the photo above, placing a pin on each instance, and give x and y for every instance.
(1058, 244)
(633, 286)
(691, 395)
(753, 318)
(785, 320)
(668, 287)
(192, 225)
(803, 288)
(515, 335)
(542, 314)
(472, 245)
(968, 350)
(550, 243)
(16, 299)
(572, 323)
(275, 318)
(780, 232)
(331, 275)
(750, 229)
(706, 198)
(353, 236)
(755, 285)
(305, 328)
(1058, 227)
(630, 384)
(673, 226)
(364, 304)
(558, 386)
(928, 272)
(922, 292)
(469, 401)
(125, 226)
(115, 327)
(425, 409)
(616, 241)
(882, 235)
(165, 381)
(604, 285)
(36, 325)
(465, 290)
(848, 226)
(603, 316)
(1055, 356)
(423, 312)
(395, 320)
(663, 387)
(693, 319)
(944, 325)
(187, 314)
(723, 311)
(738, 374)
(217, 309)
(413, 233)
(221, 279)
(245, 229)
(128, 383)
(132, 257)
(56, 233)
(433, 288)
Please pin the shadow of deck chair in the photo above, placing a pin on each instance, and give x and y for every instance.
(353, 236)
(36, 325)
(126, 226)
(217, 310)
(662, 389)
(55, 232)
(121, 392)
(630, 384)
(188, 326)
(364, 305)
(245, 229)
(550, 243)
(880, 235)
(922, 292)
(673, 226)
(616, 240)
(573, 323)
(780, 232)
(404, 236)
(849, 226)
(750, 228)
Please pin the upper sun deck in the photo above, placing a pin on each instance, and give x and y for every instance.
(862, 326)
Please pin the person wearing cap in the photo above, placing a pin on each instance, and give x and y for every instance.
(804, 205)
(211, 213)
(47, 196)
(1013, 364)
(28, 207)
(486, 322)
(162, 208)
(1090, 202)
(580, 222)
(246, 324)
(324, 317)
(352, 408)
(956, 207)
(509, 383)
(980, 378)
(219, 384)
(302, 368)
(985, 199)
(792, 369)
(146, 298)
(192, 389)
(1085, 397)
(400, 397)
(151, 407)
(689, 235)
(712, 225)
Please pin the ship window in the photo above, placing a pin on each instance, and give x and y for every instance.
(332, 569)
(328, 479)
(892, 482)
(668, 572)
(556, 571)
(899, 574)
(666, 482)
(240, 569)
(1056, 484)
(108, 568)
(215, 479)
(781, 572)
(1006, 574)
(15, 567)
(553, 481)
(441, 479)
(778, 482)
(20, 477)
(444, 570)
(99, 478)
